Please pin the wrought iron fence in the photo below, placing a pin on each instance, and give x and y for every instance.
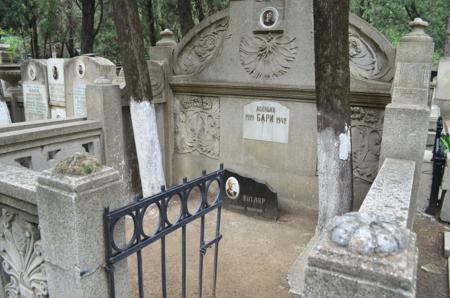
(140, 239)
(438, 170)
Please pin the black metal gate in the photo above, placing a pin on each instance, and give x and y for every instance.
(140, 239)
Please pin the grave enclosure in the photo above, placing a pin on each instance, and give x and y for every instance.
(238, 89)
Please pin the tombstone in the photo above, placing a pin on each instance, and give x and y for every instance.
(79, 72)
(35, 91)
(56, 87)
(5, 117)
(249, 196)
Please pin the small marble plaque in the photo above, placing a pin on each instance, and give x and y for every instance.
(35, 101)
(55, 74)
(79, 100)
(266, 121)
(58, 113)
(5, 118)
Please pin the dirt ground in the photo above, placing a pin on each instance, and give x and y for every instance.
(432, 272)
(254, 256)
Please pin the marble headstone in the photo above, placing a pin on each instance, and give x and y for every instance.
(35, 92)
(56, 88)
(81, 71)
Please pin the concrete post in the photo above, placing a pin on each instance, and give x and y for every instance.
(104, 104)
(406, 118)
(163, 54)
(71, 210)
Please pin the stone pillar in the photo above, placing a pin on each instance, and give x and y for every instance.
(104, 104)
(407, 117)
(161, 67)
(71, 206)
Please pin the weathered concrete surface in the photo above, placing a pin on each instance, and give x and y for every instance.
(334, 271)
(391, 191)
(71, 212)
(442, 91)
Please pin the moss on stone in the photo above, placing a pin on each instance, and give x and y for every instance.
(78, 165)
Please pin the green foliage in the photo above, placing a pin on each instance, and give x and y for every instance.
(391, 18)
(445, 142)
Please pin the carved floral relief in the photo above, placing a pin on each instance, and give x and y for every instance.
(20, 249)
(197, 125)
(267, 56)
(367, 127)
(202, 49)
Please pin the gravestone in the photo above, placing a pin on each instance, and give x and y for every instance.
(56, 88)
(81, 71)
(249, 196)
(5, 117)
(35, 92)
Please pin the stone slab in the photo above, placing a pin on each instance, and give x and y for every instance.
(334, 271)
(391, 191)
(249, 196)
(447, 244)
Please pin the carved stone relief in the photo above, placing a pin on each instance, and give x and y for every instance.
(197, 125)
(20, 249)
(267, 56)
(368, 234)
(201, 49)
(367, 127)
(157, 78)
(367, 60)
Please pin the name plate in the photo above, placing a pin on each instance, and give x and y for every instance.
(266, 121)
(249, 196)
(79, 100)
(55, 78)
(35, 101)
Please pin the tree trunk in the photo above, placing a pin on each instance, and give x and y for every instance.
(34, 37)
(447, 46)
(87, 26)
(151, 21)
(137, 78)
(185, 15)
(199, 7)
(333, 105)
(210, 7)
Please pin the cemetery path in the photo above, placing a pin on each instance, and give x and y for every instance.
(432, 272)
(254, 256)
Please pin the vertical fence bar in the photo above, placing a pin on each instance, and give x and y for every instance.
(163, 218)
(438, 170)
(219, 214)
(204, 198)
(216, 250)
(183, 244)
(140, 274)
(109, 266)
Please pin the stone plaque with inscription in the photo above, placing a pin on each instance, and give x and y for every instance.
(266, 121)
(55, 73)
(79, 100)
(249, 196)
(35, 101)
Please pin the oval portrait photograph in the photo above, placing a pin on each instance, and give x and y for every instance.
(232, 188)
(269, 17)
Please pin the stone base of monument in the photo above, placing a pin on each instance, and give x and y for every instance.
(249, 196)
(328, 270)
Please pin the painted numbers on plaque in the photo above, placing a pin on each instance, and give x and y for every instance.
(79, 100)
(266, 121)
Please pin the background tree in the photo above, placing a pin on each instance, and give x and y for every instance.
(88, 32)
(185, 15)
(333, 109)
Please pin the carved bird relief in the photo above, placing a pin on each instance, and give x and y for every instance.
(267, 56)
